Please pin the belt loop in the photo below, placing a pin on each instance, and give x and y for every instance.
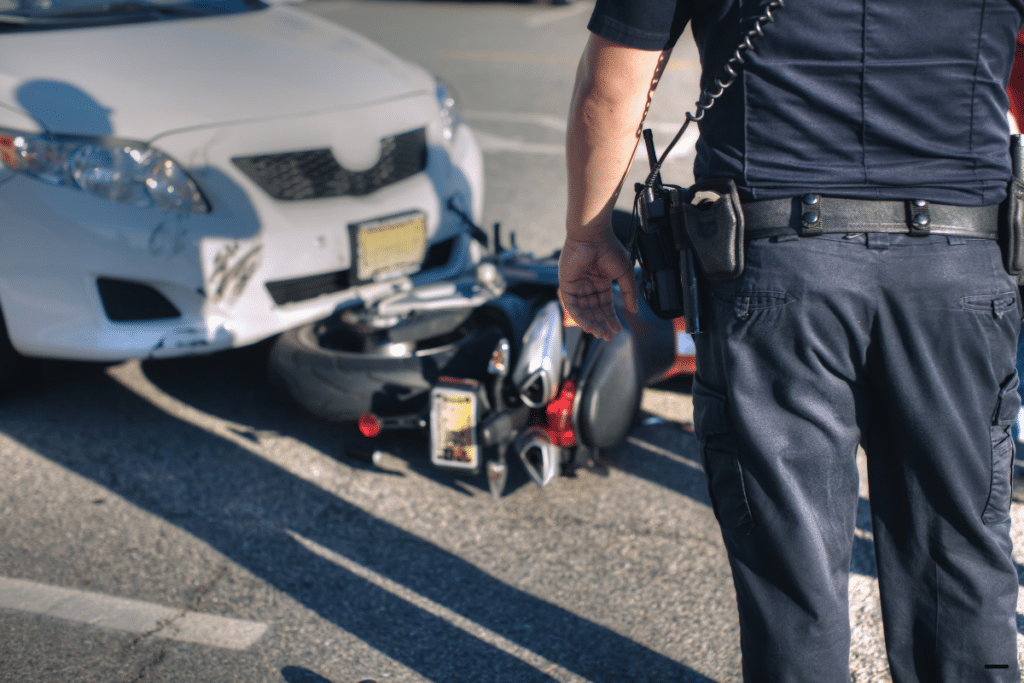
(810, 215)
(918, 218)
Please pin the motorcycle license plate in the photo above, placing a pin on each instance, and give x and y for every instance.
(389, 247)
(453, 417)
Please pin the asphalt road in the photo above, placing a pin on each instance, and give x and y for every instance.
(179, 521)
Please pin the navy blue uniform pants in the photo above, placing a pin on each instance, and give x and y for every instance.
(904, 345)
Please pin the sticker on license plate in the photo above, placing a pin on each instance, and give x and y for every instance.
(389, 247)
(453, 442)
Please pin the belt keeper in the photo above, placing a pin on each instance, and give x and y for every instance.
(810, 215)
(918, 219)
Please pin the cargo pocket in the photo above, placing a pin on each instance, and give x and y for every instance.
(997, 508)
(720, 458)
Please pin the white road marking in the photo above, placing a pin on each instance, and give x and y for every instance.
(663, 452)
(667, 131)
(550, 16)
(490, 142)
(133, 616)
(544, 120)
(427, 605)
(542, 58)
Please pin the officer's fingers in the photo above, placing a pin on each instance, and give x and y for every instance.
(627, 285)
(588, 313)
(577, 309)
(611, 318)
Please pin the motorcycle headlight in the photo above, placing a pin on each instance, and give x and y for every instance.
(123, 172)
(450, 116)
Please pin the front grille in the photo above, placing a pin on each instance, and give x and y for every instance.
(303, 288)
(132, 301)
(315, 173)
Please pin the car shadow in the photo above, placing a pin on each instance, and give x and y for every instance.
(234, 386)
(268, 520)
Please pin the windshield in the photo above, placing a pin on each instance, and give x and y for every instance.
(48, 13)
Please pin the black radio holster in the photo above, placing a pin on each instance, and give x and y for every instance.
(713, 224)
(1011, 218)
(662, 255)
(677, 238)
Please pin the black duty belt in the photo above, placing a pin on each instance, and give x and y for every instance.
(810, 215)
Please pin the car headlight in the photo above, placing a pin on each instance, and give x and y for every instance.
(131, 173)
(450, 116)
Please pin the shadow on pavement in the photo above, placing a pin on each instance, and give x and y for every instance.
(296, 674)
(203, 382)
(250, 510)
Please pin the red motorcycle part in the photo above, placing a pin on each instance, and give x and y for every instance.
(369, 425)
(558, 414)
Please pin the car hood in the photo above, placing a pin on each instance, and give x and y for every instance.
(142, 80)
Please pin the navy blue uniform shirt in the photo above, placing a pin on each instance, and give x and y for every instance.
(874, 99)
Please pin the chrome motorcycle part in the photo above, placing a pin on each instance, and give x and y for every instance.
(542, 459)
(497, 476)
(538, 374)
(500, 358)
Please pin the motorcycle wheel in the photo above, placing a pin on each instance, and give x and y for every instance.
(327, 368)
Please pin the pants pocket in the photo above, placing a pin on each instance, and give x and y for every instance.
(720, 457)
(725, 484)
(997, 508)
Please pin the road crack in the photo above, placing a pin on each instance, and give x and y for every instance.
(157, 659)
(192, 604)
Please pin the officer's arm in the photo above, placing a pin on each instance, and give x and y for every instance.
(613, 90)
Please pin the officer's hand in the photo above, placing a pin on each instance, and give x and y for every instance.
(586, 271)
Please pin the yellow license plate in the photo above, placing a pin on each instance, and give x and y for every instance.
(453, 428)
(390, 247)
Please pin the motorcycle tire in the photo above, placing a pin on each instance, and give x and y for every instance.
(331, 378)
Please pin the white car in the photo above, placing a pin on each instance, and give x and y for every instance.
(186, 177)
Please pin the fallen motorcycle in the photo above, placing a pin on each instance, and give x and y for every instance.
(488, 366)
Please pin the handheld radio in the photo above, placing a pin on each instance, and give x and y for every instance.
(663, 215)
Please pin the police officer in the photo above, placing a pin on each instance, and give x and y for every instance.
(869, 143)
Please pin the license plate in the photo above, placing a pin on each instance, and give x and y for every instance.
(453, 442)
(389, 247)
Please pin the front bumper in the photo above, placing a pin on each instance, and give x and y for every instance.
(79, 275)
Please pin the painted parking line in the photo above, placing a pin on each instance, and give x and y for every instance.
(491, 142)
(133, 616)
(559, 123)
(549, 121)
(542, 58)
(553, 15)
